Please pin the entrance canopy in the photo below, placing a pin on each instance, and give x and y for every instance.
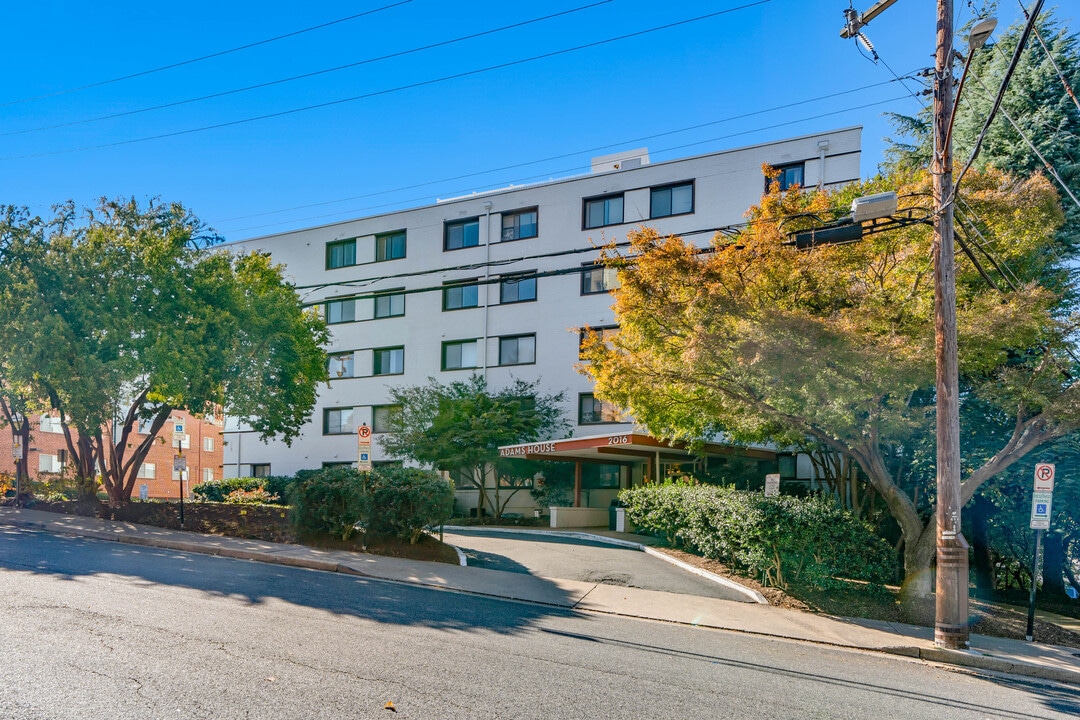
(627, 447)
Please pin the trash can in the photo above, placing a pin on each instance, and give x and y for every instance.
(613, 515)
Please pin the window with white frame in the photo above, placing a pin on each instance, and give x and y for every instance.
(517, 350)
(148, 471)
(208, 444)
(208, 475)
(51, 424)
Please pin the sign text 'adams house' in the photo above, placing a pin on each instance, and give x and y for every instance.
(527, 449)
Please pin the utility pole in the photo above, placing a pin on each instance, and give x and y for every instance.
(951, 591)
(951, 618)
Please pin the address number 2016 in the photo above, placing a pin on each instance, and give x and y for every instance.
(619, 440)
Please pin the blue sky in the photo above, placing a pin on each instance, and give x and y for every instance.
(760, 72)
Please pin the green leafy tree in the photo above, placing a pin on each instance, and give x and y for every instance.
(459, 427)
(128, 314)
(762, 341)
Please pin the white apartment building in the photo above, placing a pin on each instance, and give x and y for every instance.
(497, 282)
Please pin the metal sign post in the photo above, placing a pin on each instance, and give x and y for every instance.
(1042, 500)
(179, 465)
(363, 448)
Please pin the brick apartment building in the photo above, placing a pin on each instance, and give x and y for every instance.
(47, 454)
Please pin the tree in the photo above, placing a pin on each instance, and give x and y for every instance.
(131, 314)
(459, 427)
(1035, 99)
(762, 341)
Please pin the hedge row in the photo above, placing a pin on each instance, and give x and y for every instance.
(810, 541)
(220, 490)
(388, 501)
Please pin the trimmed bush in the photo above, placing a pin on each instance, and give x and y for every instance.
(220, 490)
(330, 501)
(809, 541)
(404, 501)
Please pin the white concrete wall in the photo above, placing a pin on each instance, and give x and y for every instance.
(725, 185)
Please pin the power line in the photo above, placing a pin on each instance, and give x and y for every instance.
(663, 150)
(1050, 57)
(220, 53)
(399, 88)
(304, 76)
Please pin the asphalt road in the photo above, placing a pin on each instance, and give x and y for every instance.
(575, 559)
(95, 629)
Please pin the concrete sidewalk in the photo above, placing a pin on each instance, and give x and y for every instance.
(1011, 656)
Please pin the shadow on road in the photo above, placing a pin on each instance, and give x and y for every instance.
(71, 558)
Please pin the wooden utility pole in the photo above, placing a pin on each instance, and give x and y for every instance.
(951, 620)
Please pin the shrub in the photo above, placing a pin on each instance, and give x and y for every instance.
(330, 501)
(403, 501)
(219, 490)
(258, 496)
(782, 540)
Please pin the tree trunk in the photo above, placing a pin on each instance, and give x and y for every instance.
(918, 586)
(983, 562)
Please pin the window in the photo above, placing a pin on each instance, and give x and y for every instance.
(517, 288)
(606, 333)
(519, 225)
(389, 305)
(340, 254)
(260, 470)
(51, 424)
(340, 311)
(145, 426)
(789, 175)
(389, 361)
(596, 477)
(340, 366)
(462, 234)
(598, 279)
(517, 350)
(390, 246)
(208, 444)
(208, 475)
(603, 211)
(382, 418)
(671, 200)
(592, 411)
(338, 463)
(457, 296)
(336, 421)
(148, 471)
(458, 354)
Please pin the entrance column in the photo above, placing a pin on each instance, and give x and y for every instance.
(577, 483)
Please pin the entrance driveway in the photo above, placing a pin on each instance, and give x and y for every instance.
(568, 558)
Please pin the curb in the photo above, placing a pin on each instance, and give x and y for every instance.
(754, 595)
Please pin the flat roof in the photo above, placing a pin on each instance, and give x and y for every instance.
(622, 448)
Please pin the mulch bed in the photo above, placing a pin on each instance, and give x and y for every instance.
(254, 522)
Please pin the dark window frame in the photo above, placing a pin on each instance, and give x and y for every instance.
(782, 178)
(581, 414)
(587, 269)
(375, 360)
(326, 420)
(460, 285)
(503, 338)
(670, 187)
(263, 470)
(337, 301)
(442, 355)
(602, 329)
(586, 202)
(377, 428)
(331, 246)
(516, 279)
(463, 222)
(379, 238)
(388, 295)
(516, 235)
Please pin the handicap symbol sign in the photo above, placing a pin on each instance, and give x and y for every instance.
(1040, 508)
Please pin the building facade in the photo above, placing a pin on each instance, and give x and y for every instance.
(201, 445)
(498, 283)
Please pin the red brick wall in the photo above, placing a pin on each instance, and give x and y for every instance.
(161, 454)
